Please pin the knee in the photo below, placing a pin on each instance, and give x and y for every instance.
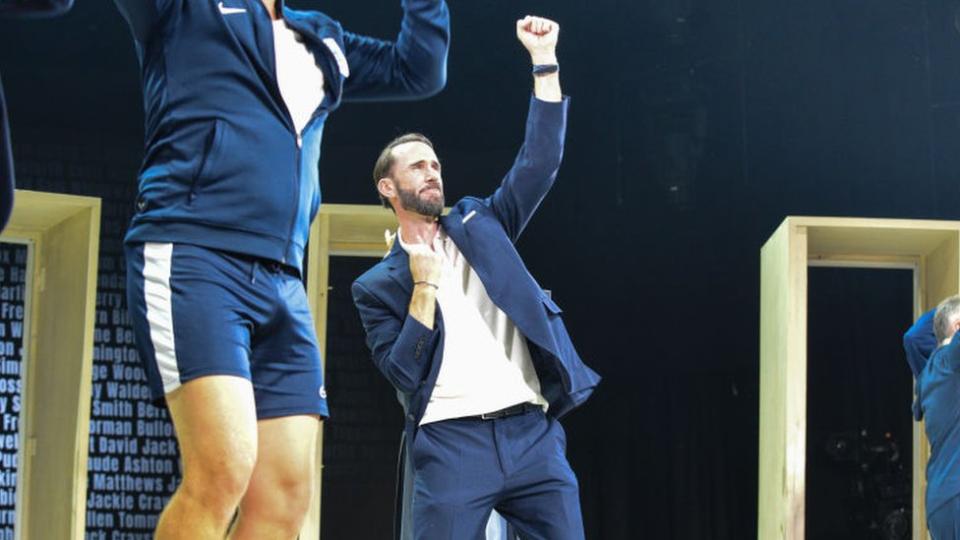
(219, 485)
(297, 496)
(296, 493)
(284, 500)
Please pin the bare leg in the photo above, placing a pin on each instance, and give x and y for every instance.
(216, 425)
(281, 488)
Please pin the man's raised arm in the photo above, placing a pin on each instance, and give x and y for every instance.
(537, 163)
(412, 67)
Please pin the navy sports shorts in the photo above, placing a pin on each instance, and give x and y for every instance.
(199, 312)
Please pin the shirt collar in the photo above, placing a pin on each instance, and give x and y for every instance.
(438, 240)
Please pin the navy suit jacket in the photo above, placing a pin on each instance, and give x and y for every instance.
(484, 230)
(19, 8)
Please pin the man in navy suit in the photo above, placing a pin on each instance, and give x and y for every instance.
(18, 8)
(473, 344)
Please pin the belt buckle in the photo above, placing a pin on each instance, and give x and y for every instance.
(512, 410)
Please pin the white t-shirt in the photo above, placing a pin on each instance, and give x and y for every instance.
(486, 363)
(299, 77)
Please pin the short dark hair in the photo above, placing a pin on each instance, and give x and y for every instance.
(385, 162)
(947, 313)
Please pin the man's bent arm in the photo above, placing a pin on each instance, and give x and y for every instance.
(402, 348)
(412, 67)
(919, 342)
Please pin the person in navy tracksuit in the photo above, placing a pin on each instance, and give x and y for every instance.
(933, 352)
(236, 94)
(472, 343)
(17, 8)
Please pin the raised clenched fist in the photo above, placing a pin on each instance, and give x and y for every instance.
(539, 36)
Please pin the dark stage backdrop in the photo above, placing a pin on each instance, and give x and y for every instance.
(859, 423)
(696, 126)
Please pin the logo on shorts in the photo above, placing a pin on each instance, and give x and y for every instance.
(323, 393)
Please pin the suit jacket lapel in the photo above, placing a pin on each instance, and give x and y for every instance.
(516, 302)
(454, 227)
(398, 265)
(466, 239)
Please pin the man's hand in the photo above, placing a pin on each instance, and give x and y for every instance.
(425, 264)
(539, 37)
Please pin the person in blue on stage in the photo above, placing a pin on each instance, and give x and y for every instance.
(18, 8)
(476, 348)
(236, 94)
(934, 357)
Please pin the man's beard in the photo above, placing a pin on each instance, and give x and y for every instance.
(413, 203)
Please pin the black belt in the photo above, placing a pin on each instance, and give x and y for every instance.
(513, 410)
(274, 267)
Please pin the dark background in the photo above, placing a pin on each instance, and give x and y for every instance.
(696, 127)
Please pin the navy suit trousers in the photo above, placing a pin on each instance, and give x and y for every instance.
(464, 468)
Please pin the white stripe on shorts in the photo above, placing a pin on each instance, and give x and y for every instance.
(156, 290)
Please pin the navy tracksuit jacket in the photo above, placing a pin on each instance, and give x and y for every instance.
(224, 167)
